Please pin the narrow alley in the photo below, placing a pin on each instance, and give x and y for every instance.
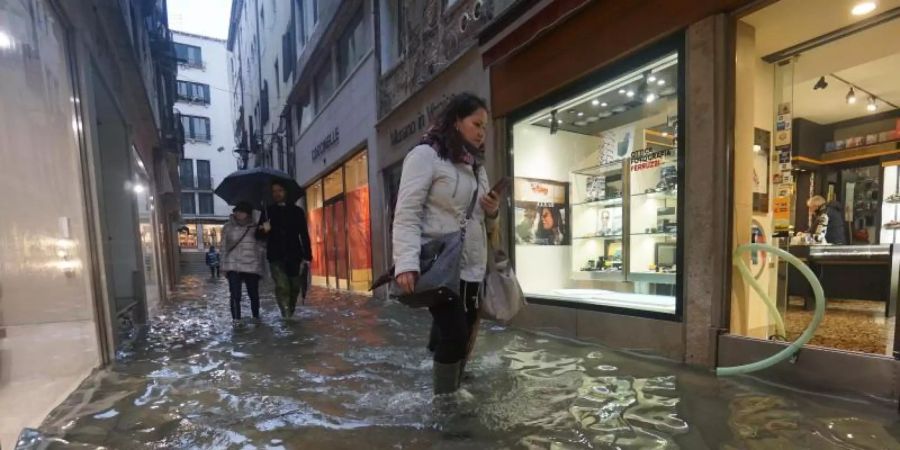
(353, 373)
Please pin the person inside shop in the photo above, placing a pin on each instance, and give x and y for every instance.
(243, 259)
(212, 261)
(827, 221)
(548, 233)
(284, 227)
(440, 177)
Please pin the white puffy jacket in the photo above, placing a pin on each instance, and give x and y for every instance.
(432, 201)
(247, 254)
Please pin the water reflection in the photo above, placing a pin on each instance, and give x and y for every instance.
(353, 373)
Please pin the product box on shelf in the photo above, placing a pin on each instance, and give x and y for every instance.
(871, 139)
(886, 136)
(840, 145)
(830, 146)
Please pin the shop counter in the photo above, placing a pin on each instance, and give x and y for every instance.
(853, 272)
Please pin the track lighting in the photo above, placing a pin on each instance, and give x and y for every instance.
(851, 96)
(821, 84)
(872, 106)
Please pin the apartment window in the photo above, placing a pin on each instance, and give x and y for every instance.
(188, 204)
(204, 179)
(393, 33)
(288, 55)
(205, 201)
(324, 84)
(351, 47)
(193, 92)
(264, 106)
(196, 128)
(188, 54)
(309, 14)
(186, 173)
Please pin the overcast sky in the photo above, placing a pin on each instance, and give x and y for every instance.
(203, 17)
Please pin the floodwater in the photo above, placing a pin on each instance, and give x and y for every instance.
(353, 373)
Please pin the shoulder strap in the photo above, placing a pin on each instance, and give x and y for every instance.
(471, 209)
(246, 230)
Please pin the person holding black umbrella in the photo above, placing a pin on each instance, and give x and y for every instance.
(242, 259)
(283, 225)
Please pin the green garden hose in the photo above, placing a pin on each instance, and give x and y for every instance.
(810, 330)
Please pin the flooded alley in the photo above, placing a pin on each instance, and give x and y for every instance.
(353, 373)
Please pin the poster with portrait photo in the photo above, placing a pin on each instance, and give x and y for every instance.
(541, 212)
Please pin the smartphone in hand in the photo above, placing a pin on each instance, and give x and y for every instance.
(501, 186)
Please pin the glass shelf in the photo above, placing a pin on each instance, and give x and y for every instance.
(667, 195)
(656, 234)
(610, 237)
(615, 166)
(616, 201)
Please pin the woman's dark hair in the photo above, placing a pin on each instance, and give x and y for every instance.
(553, 234)
(443, 134)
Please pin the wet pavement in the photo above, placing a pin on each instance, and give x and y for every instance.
(353, 373)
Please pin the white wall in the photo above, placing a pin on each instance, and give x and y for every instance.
(215, 74)
(540, 155)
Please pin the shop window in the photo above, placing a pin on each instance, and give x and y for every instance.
(187, 236)
(596, 193)
(820, 130)
(315, 213)
(334, 184)
(359, 236)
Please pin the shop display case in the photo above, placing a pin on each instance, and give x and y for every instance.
(890, 205)
(624, 215)
(598, 195)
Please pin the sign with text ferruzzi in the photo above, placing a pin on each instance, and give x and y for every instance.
(649, 158)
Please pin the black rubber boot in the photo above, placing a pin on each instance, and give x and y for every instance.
(445, 378)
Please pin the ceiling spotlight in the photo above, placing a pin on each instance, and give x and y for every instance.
(622, 91)
(652, 78)
(571, 111)
(821, 84)
(872, 106)
(595, 102)
(604, 104)
(863, 8)
(650, 98)
(580, 114)
(661, 82)
(630, 94)
(665, 134)
(851, 96)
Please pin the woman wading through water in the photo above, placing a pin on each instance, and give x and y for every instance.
(440, 177)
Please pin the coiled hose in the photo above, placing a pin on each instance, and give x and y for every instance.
(810, 330)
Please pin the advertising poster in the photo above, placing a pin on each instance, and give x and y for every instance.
(616, 144)
(541, 212)
(782, 211)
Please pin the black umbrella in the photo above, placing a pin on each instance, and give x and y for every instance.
(254, 186)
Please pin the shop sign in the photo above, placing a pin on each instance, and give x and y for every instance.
(327, 143)
(649, 158)
(782, 212)
(421, 122)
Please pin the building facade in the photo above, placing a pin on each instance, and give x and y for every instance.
(91, 147)
(305, 77)
(203, 101)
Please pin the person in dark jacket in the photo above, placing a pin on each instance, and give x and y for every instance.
(212, 261)
(284, 227)
(828, 225)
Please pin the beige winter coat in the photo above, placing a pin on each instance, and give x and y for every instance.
(432, 201)
(248, 254)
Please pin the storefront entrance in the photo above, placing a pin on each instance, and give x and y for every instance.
(340, 227)
(817, 144)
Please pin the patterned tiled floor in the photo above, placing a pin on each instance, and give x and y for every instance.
(854, 325)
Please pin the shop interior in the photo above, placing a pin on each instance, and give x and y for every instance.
(339, 221)
(596, 193)
(817, 123)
